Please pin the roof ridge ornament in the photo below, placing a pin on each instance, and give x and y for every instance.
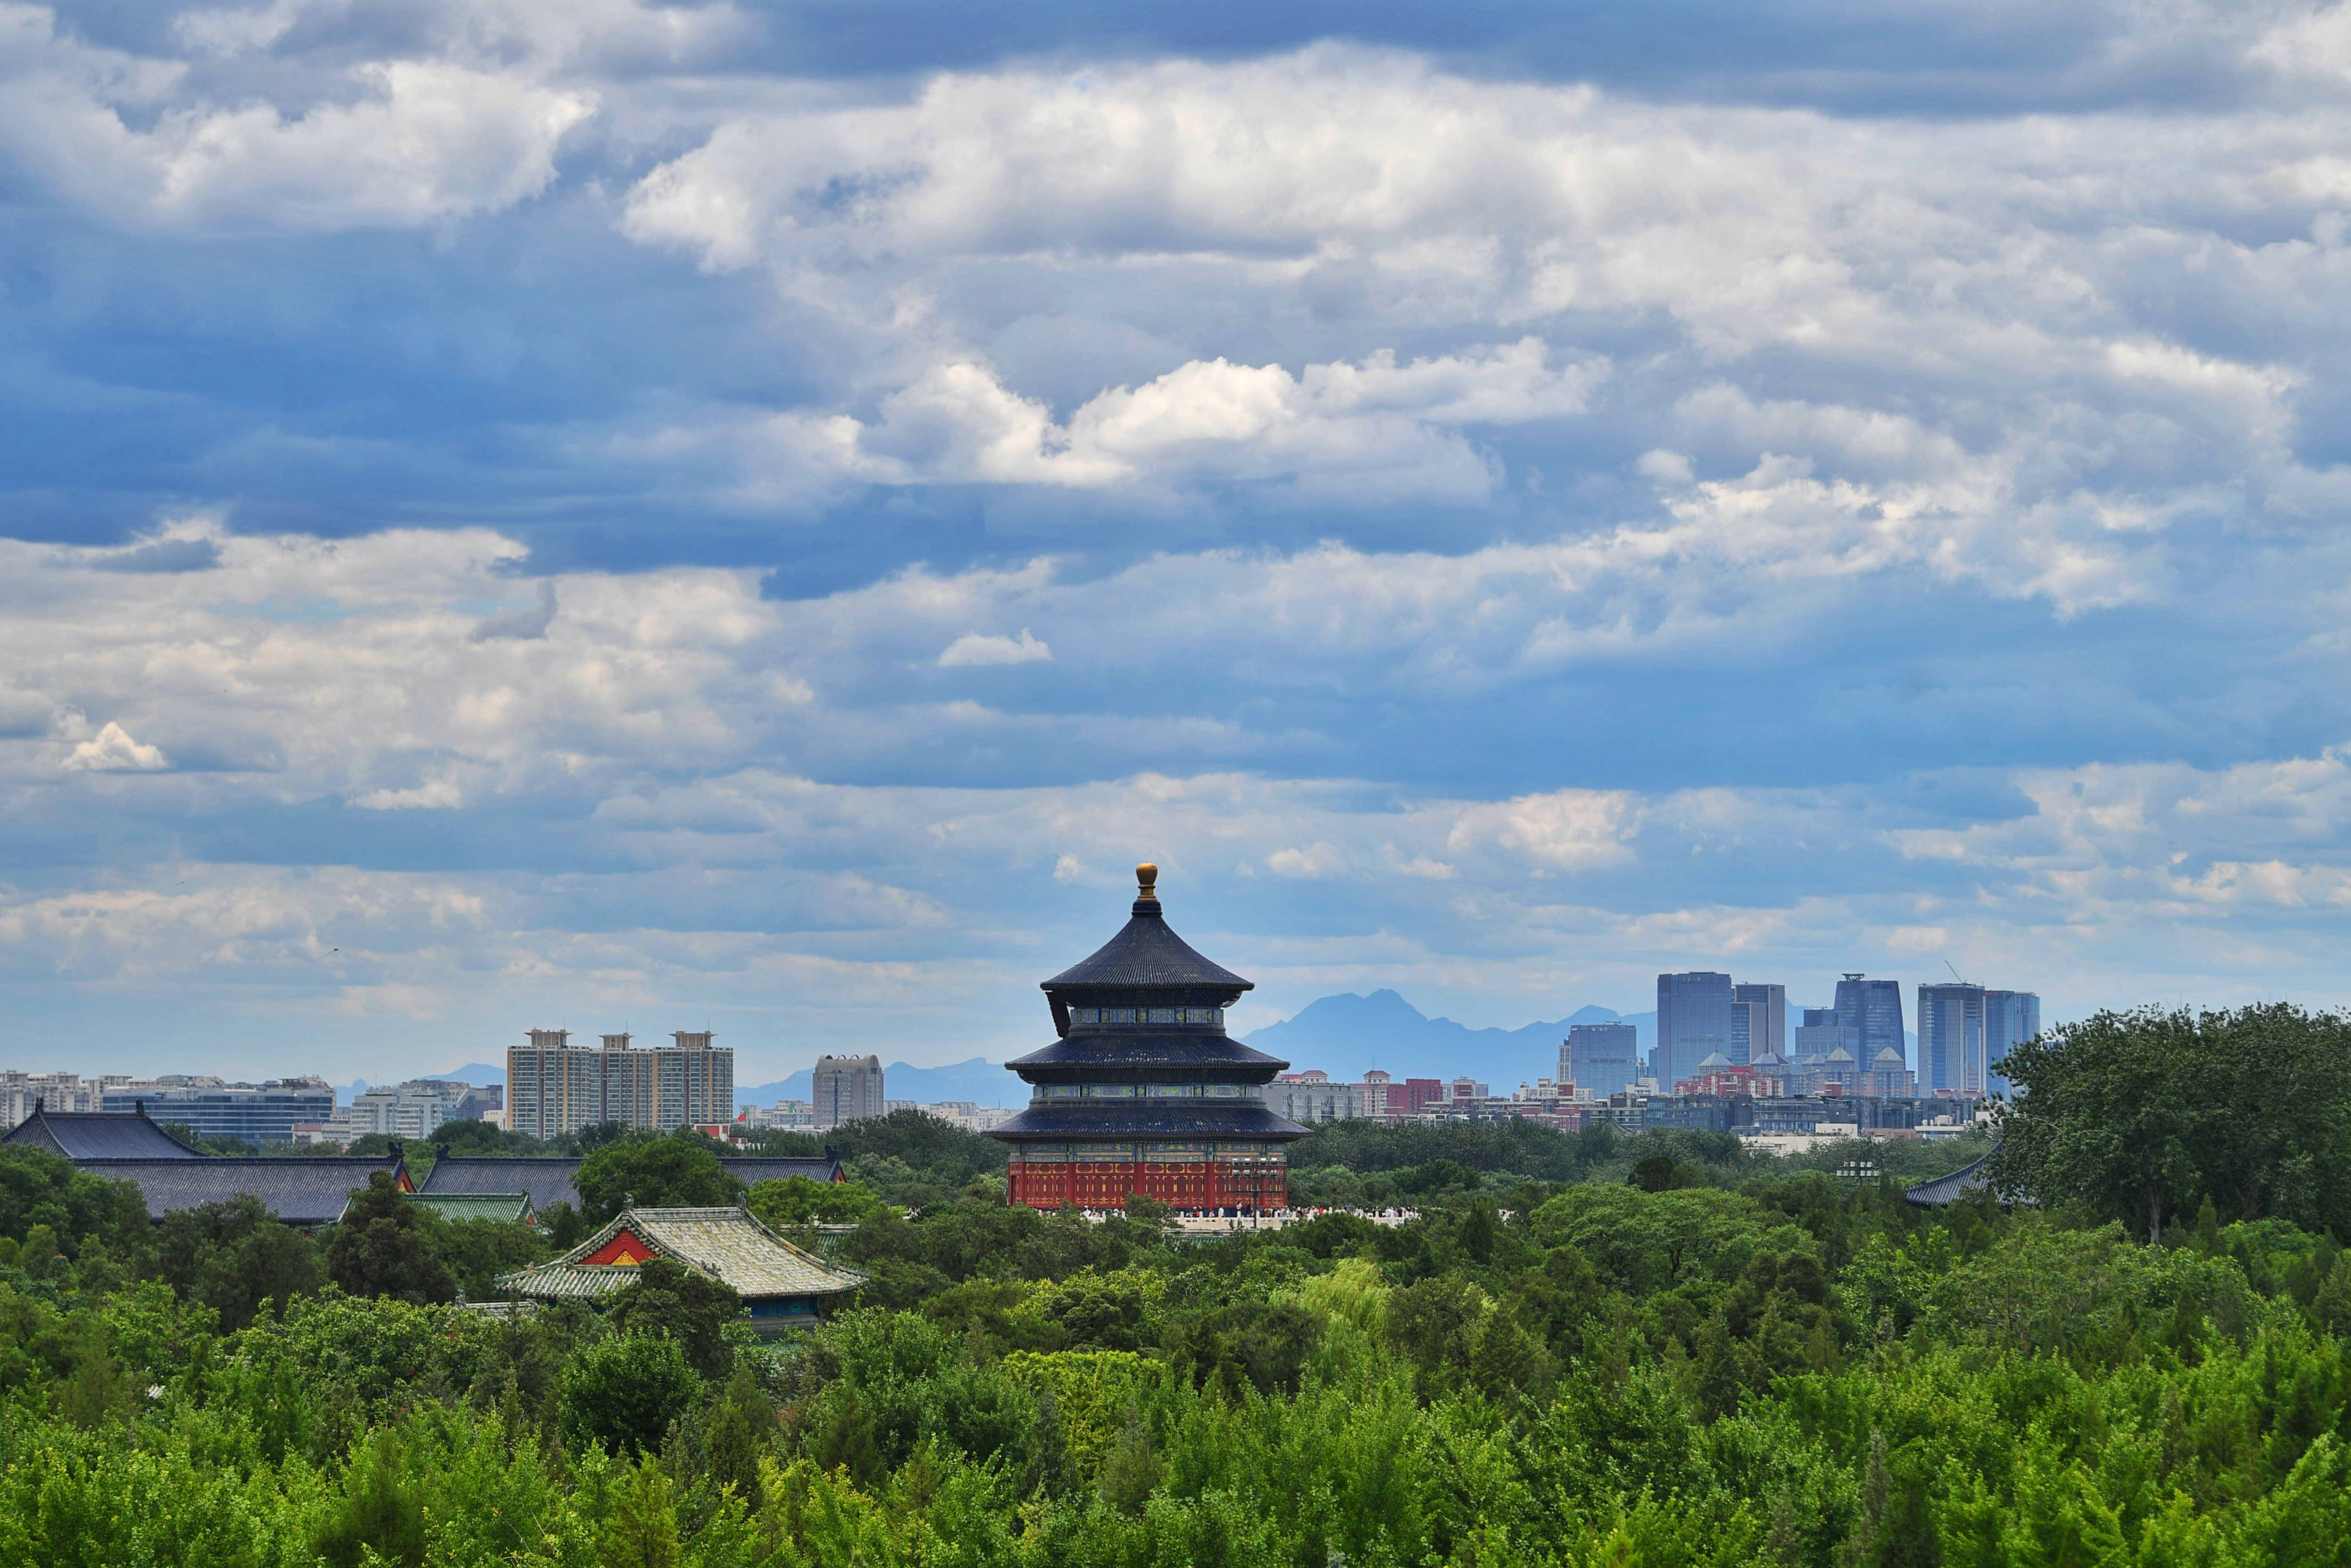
(1146, 887)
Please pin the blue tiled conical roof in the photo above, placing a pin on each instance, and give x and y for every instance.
(1147, 956)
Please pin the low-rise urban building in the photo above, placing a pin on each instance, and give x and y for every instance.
(1311, 1096)
(255, 1113)
(970, 1116)
(410, 1110)
(784, 1115)
(1718, 1075)
(1402, 1100)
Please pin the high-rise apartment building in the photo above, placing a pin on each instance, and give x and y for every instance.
(1765, 1021)
(554, 1087)
(1870, 1013)
(2010, 1018)
(846, 1089)
(1693, 1023)
(1600, 1059)
(1951, 1039)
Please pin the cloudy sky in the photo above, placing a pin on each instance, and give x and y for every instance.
(577, 512)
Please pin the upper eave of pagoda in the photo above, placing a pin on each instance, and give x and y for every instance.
(1145, 956)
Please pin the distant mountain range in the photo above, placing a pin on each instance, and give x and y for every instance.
(1341, 1035)
(1346, 1035)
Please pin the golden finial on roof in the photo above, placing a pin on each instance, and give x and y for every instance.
(1146, 878)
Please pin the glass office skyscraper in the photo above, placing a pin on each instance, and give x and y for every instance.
(2010, 1018)
(1693, 1023)
(1767, 1029)
(1870, 1013)
(1601, 1059)
(1951, 1039)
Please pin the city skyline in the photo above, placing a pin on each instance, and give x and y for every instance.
(766, 1066)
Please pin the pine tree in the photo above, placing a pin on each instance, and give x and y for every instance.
(642, 1531)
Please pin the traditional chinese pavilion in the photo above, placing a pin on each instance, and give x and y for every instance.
(781, 1286)
(1144, 1093)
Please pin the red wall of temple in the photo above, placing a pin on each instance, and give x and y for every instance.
(1201, 1184)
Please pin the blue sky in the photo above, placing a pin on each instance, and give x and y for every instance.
(755, 518)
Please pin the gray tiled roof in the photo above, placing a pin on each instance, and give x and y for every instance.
(547, 1177)
(298, 1189)
(727, 1244)
(547, 1180)
(1973, 1176)
(99, 1134)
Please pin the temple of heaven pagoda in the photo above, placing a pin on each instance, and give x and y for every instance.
(1145, 1093)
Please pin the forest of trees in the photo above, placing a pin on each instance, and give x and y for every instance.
(1583, 1350)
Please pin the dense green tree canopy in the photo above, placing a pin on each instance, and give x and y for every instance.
(38, 1187)
(235, 1259)
(796, 1200)
(382, 1249)
(1757, 1363)
(625, 1391)
(676, 1303)
(2141, 1116)
(653, 1172)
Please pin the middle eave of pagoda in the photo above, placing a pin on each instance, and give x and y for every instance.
(1173, 1048)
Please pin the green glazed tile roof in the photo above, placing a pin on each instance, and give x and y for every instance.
(727, 1244)
(514, 1206)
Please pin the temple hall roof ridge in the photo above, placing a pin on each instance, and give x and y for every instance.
(1146, 954)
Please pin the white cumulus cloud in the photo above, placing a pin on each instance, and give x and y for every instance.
(400, 142)
(113, 750)
(980, 648)
(434, 795)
